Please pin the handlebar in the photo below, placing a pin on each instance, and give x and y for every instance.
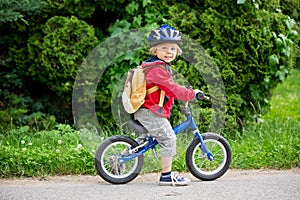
(207, 97)
(186, 104)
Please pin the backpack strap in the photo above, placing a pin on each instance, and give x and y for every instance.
(162, 98)
(155, 88)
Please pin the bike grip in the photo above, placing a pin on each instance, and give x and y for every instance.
(200, 96)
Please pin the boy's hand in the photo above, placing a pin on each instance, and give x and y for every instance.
(199, 95)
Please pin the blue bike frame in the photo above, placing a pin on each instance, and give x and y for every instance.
(189, 123)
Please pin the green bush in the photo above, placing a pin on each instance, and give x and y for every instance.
(291, 8)
(17, 108)
(79, 8)
(15, 10)
(51, 59)
(54, 57)
(251, 44)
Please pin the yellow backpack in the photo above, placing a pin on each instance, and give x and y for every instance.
(135, 91)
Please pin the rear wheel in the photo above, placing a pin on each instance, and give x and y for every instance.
(107, 160)
(200, 166)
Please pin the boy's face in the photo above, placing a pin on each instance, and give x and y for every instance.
(166, 52)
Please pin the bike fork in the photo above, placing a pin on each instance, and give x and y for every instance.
(203, 147)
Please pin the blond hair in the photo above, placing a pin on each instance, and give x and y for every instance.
(152, 50)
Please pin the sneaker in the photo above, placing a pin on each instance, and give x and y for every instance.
(174, 180)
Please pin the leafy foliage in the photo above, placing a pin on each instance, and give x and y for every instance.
(44, 43)
(251, 44)
(15, 106)
(14, 10)
(78, 8)
(54, 56)
(243, 56)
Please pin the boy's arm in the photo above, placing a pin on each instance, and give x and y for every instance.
(164, 81)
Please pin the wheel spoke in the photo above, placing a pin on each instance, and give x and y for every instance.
(203, 168)
(108, 156)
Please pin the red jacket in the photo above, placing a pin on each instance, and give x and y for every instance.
(161, 77)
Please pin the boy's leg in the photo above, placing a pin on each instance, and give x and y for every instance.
(166, 164)
(161, 130)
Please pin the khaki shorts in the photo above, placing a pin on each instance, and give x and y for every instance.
(160, 129)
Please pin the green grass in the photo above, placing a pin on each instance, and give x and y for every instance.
(23, 153)
(275, 142)
(285, 102)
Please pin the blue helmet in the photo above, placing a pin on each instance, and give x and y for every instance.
(163, 34)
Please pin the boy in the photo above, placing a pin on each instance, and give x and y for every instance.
(164, 45)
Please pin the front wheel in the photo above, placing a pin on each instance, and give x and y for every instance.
(107, 160)
(203, 168)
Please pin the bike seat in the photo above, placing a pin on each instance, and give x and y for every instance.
(137, 126)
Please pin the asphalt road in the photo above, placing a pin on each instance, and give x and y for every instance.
(235, 184)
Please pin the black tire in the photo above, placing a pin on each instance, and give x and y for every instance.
(106, 160)
(201, 167)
